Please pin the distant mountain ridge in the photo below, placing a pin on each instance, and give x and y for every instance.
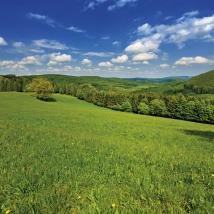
(162, 79)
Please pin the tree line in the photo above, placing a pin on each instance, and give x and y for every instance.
(192, 108)
(179, 106)
(198, 90)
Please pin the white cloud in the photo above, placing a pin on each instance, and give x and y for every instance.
(105, 64)
(144, 57)
(117, 4)
(93, 4)
(30, 60)
(145, 29)
(120, 3)
(49, 44)
(18, 45)
(86, 62)
(143, 45)
(188, 15)
(99, 54)
(6, 63)
(43, 18)
(66, 69)
(58, 58)
(192, 60)
(116, 43)
(120, 59)
(185, 28)
(164, 66)
(75, 29)
(2, 41)
(21, 64)
(23, 48)
(105, 37)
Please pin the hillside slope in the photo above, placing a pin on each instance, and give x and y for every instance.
(203, 83)
(203, 80)
(73, 157)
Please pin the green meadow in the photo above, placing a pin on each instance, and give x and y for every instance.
(71, 156)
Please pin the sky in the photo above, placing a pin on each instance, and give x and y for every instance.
(109, 38)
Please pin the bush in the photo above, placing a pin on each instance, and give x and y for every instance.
(143, 108)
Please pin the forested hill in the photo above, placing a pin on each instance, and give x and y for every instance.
(203, 83)
(101, 83)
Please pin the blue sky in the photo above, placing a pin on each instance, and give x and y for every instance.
(123, 38)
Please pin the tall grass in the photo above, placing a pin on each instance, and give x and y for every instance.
(70, 156)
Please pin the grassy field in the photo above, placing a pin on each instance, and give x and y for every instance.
(70, 156)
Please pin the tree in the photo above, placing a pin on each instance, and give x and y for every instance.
(158, 107)
(143, 108)
(42, 87)
(126, 106)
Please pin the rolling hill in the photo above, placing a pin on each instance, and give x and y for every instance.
(203, 83)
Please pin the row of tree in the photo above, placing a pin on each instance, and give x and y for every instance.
(193, 108)
(12, 83)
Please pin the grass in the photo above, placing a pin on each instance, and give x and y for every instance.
(70, 156)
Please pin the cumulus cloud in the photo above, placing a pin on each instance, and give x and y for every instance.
(58, 58)
(86, 62)
(144, 45)
(145, 29)
(187, 27)
(2, 41)
(49, 44)
(192, 60)
(30, 60)
(144, 57)
(20, 64)
(120, 59)
(105, 64)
